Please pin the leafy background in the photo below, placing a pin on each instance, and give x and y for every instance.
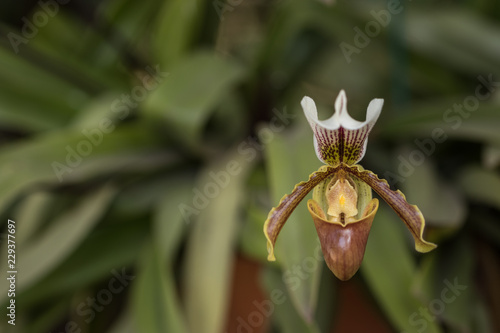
(144, 201)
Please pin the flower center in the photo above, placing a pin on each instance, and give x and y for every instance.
(342, 199)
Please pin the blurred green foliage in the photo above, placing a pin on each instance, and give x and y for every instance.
(143, 143)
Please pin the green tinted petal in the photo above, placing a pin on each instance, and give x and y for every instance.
(279, 215)
(410, 214)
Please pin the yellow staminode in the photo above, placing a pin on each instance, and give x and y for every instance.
(342, 200)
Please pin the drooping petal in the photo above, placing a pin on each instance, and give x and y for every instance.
(279, 215)
(410, 214)
(341, 138)
(343, 246)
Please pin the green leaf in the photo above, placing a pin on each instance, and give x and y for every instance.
(31, 212)
(491, 156)
(178, 25)
(156, 285)
(445, 284)
(251, 234)
(142, 196)
(90, 64)
(154, 301)
(125, 323)
(31, 101)
(295, 25)
(283, 308)
(131, 21)
(389, 270)
(103, 251)
(186, 98)
(455, 38)
(256, 211)
(40, 159)
(169, 224)
(327, 300)
(486, 225)
(481, 185)
(59, 240)
(48, 316)
(437, 121)
(212, 242)
(426, 189)
(482, 316)
(290, 159)
(99, 111)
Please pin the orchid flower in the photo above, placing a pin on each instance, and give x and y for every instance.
(342, 206)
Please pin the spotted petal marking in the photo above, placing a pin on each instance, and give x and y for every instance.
(341, 139)
(280, 214)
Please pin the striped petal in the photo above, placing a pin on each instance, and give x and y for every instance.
(279, 215)
(341, 139)
(410, 214)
